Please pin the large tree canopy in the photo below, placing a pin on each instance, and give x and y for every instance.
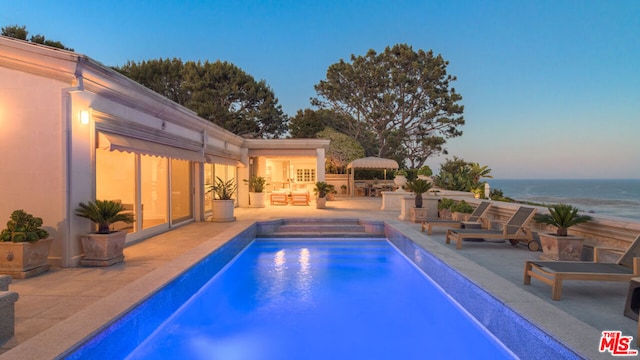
(402, 96)
(219, 92)
(20, 32)
(343, 149)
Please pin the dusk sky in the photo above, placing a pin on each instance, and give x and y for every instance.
(551, 89)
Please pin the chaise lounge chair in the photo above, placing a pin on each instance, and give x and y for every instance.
(554, 272)
(476, 216)
(279, 198)
(300, 198)
(514, 230)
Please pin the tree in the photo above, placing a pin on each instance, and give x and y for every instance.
(308, 123)
(219, 92)
(457, 174)
(20, 32)
(163, 76)
(342, 150)
(399, 95)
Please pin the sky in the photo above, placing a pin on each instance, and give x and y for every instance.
(551, 88)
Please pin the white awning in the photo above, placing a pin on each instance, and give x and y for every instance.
(373, 163)
(113, 142)
(215, 159)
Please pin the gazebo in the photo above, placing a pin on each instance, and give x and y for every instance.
(368, 163)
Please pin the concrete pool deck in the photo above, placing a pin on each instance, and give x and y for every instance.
(56, 307)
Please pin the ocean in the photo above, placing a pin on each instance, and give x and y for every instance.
(609, 197)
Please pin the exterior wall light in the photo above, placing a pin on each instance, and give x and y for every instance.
(84, 117)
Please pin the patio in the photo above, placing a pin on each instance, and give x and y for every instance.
(56, 305)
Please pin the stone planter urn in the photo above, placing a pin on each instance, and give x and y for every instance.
(400, 181)
(321, 202)
(561, 248)
(23, 260)
(103, 249)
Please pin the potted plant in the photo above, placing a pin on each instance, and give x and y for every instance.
(418, 187)
(257, 195)
(223, 203)
(561, 245)
(478, 192)
(322, 189)
(424, 173)
(444, 208)
(343, 189)
(400, 179)
(24, 246)
(105, 246)
(461, 211)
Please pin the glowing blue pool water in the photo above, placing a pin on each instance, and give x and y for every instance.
(310, 299)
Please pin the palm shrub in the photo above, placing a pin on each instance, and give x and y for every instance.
(223, 190)
(104, 213)
(322, 189)
(23, 227)
(418, 187)
(562, 216)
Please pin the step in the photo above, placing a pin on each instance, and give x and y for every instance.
(323, 228)
(321, 221)
(306, 235)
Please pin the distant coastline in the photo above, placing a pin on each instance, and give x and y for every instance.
(609, 197)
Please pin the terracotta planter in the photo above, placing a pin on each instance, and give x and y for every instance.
(223, 211)
(257, 200)
(418, 214)
(444, 214)
(321, 203)
(24, 260)
(458, 216)
(565, 248)
(103, 249)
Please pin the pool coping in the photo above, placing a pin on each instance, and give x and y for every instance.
(59, 340)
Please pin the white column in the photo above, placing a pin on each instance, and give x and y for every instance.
(320, 164)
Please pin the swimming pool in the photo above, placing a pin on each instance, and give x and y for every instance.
(317, 299)
(126, 334)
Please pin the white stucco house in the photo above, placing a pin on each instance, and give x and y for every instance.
(73, 130)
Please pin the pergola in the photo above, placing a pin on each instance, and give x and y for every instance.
(368, 163)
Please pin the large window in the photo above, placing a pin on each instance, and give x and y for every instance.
(181, 194)
(208, 182)
(116, 180)
(153, 190)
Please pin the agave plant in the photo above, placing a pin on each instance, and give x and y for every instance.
(418, 187)
(104, 213)
(562, 216)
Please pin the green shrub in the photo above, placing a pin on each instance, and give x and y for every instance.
(445, 203)
(462, 207)
(23, 227)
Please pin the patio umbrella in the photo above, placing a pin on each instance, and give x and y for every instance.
(371, 162)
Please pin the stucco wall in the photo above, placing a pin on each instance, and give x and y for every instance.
(32, 146)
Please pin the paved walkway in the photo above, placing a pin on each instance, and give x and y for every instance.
(52, 301)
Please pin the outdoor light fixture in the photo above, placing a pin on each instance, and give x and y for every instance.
(84, 117)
